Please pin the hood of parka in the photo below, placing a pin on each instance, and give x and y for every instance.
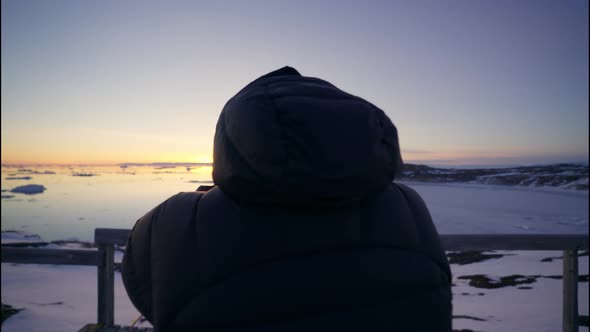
(288, 140)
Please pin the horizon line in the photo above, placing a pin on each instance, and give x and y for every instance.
(206, 164)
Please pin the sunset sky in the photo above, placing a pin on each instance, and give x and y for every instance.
(466, 82)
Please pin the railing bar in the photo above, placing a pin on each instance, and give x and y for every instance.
(111, 236)
(50, 256)
(106, 286)
(449, 241)
(464, 242)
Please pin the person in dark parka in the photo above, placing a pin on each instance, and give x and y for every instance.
(304, 230)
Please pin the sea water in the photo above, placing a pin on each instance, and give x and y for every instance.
(79, 199)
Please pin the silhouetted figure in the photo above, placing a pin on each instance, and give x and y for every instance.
(304, 231)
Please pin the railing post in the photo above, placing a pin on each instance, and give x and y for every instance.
(106, 285)
(570, 291)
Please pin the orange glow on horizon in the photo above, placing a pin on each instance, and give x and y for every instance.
(32, 155)
(106, 161)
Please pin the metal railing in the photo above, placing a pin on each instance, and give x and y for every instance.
(107, 238)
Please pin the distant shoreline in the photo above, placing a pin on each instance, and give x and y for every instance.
(180, 164)
(561, 176)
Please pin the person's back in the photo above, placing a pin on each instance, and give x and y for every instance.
(304, 230)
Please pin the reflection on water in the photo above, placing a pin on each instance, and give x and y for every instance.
(76, 202)
(79, 199)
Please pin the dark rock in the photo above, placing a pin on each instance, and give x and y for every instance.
(482, 281)
(554, 277)
(469, 257)
(50, 303)
(7, 311)
(469, 317)
(550, 259)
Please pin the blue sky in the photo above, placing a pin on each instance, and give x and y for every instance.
(465, 82)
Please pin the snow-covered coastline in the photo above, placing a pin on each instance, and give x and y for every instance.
(561, 176)
(60, 298)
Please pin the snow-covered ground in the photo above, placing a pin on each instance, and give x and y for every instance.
(57, 297)
(510, 308)
(63, 298)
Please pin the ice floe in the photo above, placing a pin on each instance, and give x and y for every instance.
(29, 189)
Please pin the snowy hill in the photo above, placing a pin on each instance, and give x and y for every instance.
(566, 176)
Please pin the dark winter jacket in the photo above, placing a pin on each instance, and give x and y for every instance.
(305, 229)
